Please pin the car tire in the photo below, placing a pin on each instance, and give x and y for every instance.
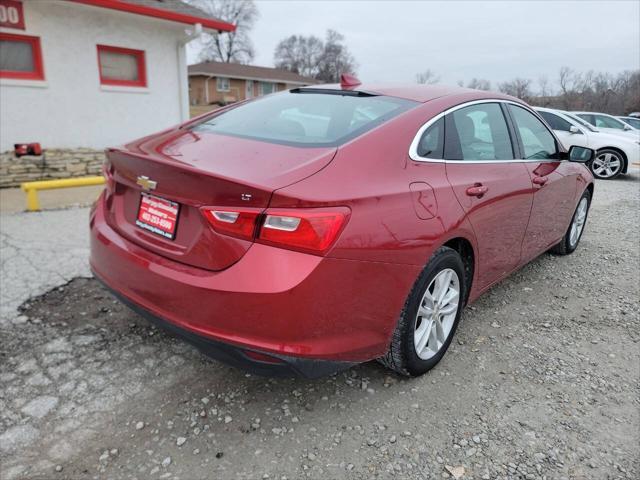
(572, 237)
(420, 315)
(607, 165)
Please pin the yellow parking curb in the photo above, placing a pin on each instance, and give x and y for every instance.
(31, 188)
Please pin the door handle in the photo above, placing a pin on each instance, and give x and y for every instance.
(477, 191)
(540, 180)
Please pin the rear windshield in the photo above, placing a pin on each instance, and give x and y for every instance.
(306, 119)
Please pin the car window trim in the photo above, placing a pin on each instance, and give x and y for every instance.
(413, 147)
(544, 124)
(516, 145)
(441, 139)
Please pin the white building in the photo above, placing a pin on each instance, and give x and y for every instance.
(94, 73)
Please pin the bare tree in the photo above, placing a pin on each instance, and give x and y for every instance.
(568, 81)
(300, 55)
(427, 77)
(629, 87)
(230, 47)
(479, 84)
(335, 59)
(544, 89)
(311, 57)
(565, 80)
(518, 87)
(598, 91)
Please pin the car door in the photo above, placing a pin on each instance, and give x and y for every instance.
(554, 182)
(492, 188)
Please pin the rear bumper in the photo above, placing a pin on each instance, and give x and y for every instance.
(316, 314)
(279, 366)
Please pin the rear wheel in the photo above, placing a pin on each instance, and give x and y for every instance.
(572, 237)
(430, 316)
(607, 165)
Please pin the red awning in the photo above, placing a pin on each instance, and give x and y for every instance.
(124, 6)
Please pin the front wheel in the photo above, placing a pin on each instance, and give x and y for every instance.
(572, 237)
(430, 316)
(607, 165)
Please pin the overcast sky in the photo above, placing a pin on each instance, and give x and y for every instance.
(459, 40)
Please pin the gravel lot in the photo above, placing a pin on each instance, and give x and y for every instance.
(542, 381)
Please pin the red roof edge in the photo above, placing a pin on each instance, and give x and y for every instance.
(123, 6)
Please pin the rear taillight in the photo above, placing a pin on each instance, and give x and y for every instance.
(239, 223)
(311, 230)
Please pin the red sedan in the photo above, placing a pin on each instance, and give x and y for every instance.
(309, 230)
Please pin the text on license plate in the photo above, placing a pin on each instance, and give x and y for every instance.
(158, 215)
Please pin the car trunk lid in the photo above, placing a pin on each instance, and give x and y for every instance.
(197, 169)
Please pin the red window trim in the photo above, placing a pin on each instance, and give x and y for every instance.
(38, 72)
(140, 61)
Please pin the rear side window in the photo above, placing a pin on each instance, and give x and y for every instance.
(477, 132)
(306, 119)
(537, 140)
(431, 143)
(556, 122)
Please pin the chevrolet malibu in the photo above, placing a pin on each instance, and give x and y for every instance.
(306, 231)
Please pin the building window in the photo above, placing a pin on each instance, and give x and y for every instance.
(122, 66)
(20, 57)
(266, 88)
(222, 84)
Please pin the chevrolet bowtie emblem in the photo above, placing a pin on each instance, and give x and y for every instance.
(146, 183)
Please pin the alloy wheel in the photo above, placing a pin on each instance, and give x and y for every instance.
(436, 314)
(578, 222)
(606, 165)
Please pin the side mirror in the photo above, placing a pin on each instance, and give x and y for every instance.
(574, 129)
(627, 127)
(581, 154)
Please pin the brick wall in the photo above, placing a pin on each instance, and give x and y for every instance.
(54, 163)
(237, 90)
(197, 95)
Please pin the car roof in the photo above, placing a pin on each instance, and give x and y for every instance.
(554, 110)
(592, 113)
(416, 92)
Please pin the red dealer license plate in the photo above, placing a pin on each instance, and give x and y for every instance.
(158, 215)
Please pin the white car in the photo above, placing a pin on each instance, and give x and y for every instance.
(631, 121)
(614, 153)
(609, 123)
